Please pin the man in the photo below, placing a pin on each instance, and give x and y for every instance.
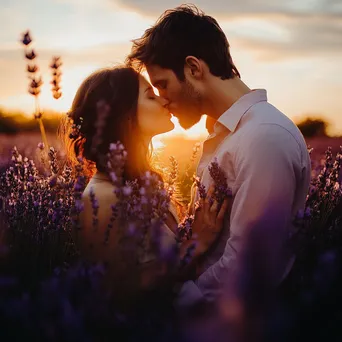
(262, 152)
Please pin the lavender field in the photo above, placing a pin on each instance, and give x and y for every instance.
(47, 293)
(27, 145)
(51, 289)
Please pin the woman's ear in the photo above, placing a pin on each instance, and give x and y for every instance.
(193, 67)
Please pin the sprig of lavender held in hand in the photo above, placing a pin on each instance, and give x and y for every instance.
(221, 190)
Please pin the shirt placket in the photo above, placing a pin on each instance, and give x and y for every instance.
(210, 146)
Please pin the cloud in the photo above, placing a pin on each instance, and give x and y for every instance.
(236, 8)
(309, 37)
(306, 27)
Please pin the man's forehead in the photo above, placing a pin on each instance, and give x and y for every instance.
(156, 72)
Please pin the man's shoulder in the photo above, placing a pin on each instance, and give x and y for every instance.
(266, 121)
(266, 113)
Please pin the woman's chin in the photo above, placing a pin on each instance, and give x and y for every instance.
(170, 126)
(166, 128)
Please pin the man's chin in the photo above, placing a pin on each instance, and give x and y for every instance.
(186, 122)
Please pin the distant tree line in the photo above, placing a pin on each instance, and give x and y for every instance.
(12, 123)
(313, 127)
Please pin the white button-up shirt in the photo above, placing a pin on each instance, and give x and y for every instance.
(268, 168)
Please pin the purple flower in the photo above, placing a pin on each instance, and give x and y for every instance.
(127, 190)
(184, 229)
(79, 205)
(189, 254)
(26, 39)
(95, 207)
(221, 190)
(131, 228)
(200, 188)
(30, 55)
(41, 146)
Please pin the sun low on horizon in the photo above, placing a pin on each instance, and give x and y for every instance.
(284, 51)
(71, 80)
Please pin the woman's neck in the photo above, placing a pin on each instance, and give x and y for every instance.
(101, 176)
(146, 140)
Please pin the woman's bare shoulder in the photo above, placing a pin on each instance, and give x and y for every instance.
(105, 197)
(103, 191)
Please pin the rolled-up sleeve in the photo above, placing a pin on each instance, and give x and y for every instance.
(268, 167)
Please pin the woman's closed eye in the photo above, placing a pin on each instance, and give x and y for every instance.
(150, 94)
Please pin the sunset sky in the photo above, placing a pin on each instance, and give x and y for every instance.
(292, 48)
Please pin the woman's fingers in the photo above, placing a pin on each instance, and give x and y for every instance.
(214, 207)
(211, 190)
(199, 205)
(208, 198)
(213, 211)
(225, 207)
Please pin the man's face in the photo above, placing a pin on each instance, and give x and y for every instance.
(184, 101)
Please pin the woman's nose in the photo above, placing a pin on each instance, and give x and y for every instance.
(164, 102)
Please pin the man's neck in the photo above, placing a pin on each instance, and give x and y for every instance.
(222, 94)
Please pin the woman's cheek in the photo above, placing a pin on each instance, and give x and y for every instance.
(154, 111)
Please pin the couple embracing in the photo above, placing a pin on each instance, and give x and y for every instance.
(261, 151)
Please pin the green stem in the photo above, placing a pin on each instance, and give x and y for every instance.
(41, 126)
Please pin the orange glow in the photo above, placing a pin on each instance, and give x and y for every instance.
(197, 132)
(71, 80)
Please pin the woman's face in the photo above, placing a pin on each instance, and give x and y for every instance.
(153, 116)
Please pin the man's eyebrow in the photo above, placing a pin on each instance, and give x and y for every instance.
(148, 88)
(157, 81)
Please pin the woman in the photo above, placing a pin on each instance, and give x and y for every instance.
(132, 114)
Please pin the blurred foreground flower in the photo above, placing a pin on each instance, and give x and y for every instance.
(41, 209)
(37, 211)
(56, 77)
(319, 224)
(35, 82)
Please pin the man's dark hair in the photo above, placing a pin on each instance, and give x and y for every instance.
(181, 32)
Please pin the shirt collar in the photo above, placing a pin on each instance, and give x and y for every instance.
(231, 117)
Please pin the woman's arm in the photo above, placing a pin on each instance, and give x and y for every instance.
(206, 227)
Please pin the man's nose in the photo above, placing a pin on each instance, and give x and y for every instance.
(164, 101)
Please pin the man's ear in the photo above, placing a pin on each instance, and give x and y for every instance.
(193, 67)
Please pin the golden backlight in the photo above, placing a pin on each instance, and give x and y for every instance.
(196, 132)
(71, 80)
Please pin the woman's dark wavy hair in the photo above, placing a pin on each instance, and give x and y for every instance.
(118, 89)
(181, 32)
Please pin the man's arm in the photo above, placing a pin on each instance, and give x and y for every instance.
(267, 169)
